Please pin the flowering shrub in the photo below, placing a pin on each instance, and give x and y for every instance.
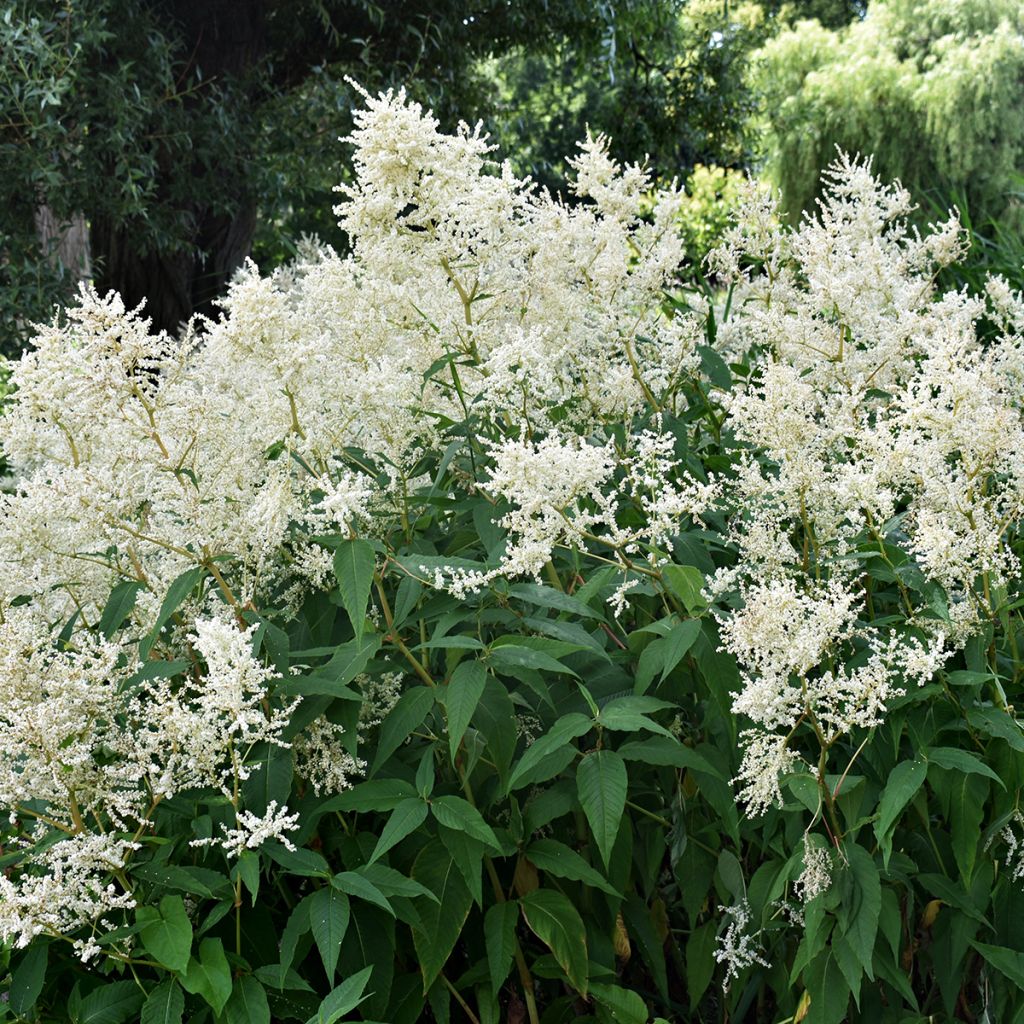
(472, 628)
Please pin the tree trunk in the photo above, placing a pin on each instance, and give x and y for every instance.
(224, 39)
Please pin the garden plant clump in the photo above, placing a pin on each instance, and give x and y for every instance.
(477, 627)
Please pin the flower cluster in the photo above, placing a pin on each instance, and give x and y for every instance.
(874, 425)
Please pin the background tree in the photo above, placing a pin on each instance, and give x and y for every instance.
(932, 89)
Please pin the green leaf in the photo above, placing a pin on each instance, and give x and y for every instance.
(967, 810)
(353, 567)
(119, 606)
(29, 976)
(176, 594)
(961, 761)
(198, 881)
(513, 656)
(665, 653)
(441, 922)
(297, 926)
(332, 679)
(405, 819)
(270, 780)
(638, 918)
(209, 976)
(629, 714)
(686, 583)
(548, 597)
(461, 697)
(492, 717)
(248, 1003)
(863, 926)
(407, 715)
(830, 994)
(361, 887)
(667, 751)
(329, 914)
(342, 1000)
(111, 1004)
(391, 882)
(167, 933)
(373, 795)
(602, 783)
(625, 1006)
(904, 781)
(563, 862)
(456, 813)
(996, 722)
(566, 728)
(500, 940)
(164, 1005)
(557, 923)
(1008, 962)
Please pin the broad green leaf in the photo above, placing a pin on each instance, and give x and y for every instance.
(996, 722)
(566, 728)
(667, 751)
(548, 597)
(468, 855)
(271, 768)
(961, 761)
(700, 961)
(557, 923)
(115, 1003)
(629, 714)
(391, 882)
(602, 783)
(830, 994)
(1008, 962)
(564, 862)
(196, 880)
(405, 818)
(568, 632)
(361, 887)
(353, 568)
(456, 813)
(686, 583)
(904, 781)
(407, 715)
(297, 926)
(28, 978)
(176, 594)
(968, 794)
(248, 1003)
(328, 917)
(209, 976)
(440, 923)
(500, 940)
(638, 918)
(167, 933)
(512, 656)
(373, 795)
(332, 679)
(863, 926)
(625, 1006)
(342, 1000)
(492, 716)
(461, 697)
(164, 1005)
(119, 606)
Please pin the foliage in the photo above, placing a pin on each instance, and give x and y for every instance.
(931, 89)
(390, 649)
(665, 79)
